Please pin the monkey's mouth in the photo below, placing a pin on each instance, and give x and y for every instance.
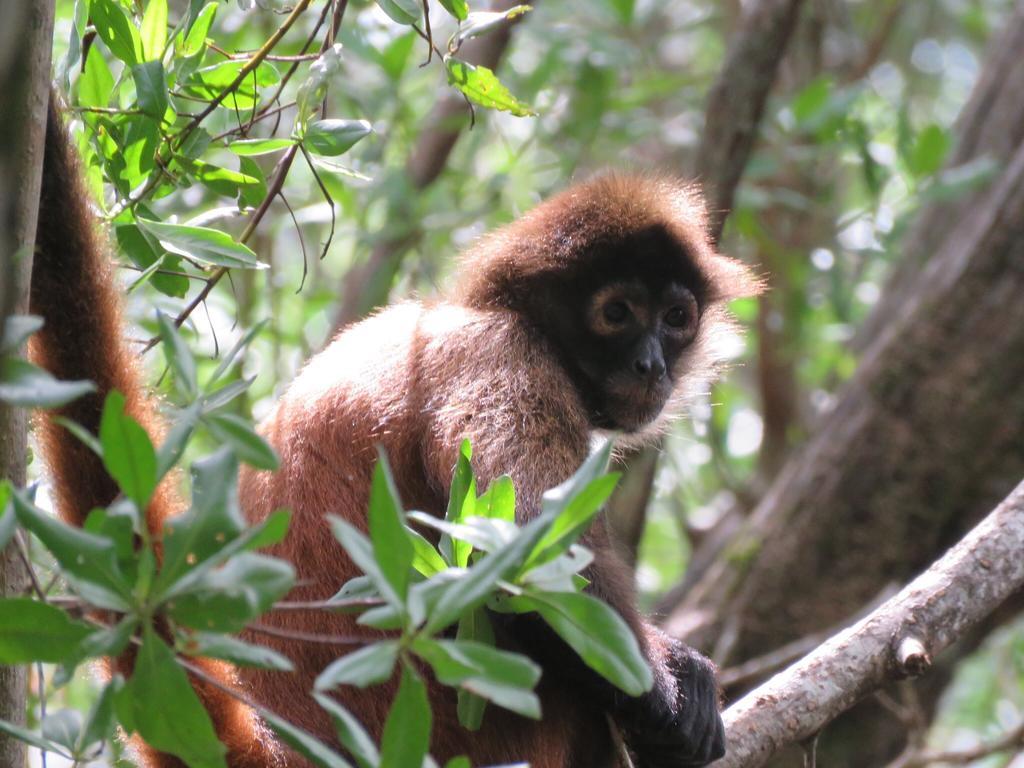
(633, 406)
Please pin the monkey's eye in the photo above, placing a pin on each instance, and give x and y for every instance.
(677, 317)
(616, 312)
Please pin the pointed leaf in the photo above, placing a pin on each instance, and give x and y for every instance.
(35, 631)
(159, 686)
(481, 85)
(128, 453)
(367, 666)
(209, 246)
(406, 735)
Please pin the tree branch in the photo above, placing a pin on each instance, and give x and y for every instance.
(932, 612)
(736, 102)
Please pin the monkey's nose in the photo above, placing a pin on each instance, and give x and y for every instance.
(649, 368)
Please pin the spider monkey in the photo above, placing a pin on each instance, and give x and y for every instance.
(596, 312)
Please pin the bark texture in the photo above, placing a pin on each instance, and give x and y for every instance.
(26, 34)
(896, 641)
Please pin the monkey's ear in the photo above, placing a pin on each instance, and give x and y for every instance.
(731, 279)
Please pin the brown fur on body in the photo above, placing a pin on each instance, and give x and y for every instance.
(416, 379)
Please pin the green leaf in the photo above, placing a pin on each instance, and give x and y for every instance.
(391, 546)
(195, 41)
(30, 737)
(597, 633)
(8, 520)
(303, 743)
(210, 82)
(475, 626)
(218, 646)
(351, 733)
(461, 504)
(457, 8)
(402, 11)
(481, 86)
(426, 559)
(334, 137)
(88, 562)
(62, 727)
(239, 433)
(478, 582)
(228, 598)
(265, 534)
(314, 87)
(154, 29)
(229, 358)
(223, 181)
(575, 503)
(209, 246)
(367, 666)
(99, 724)
(221, 397)
(35, 631)
(159, 687)
(406, 735)
(499, 501)
(17, 329)
(361, 551)
(25, 385)
(812, 98)
(250, 147)
(623, 9)
(482, 22)
(459, 762)
(929, 151)
(179, 357)
(109, 641)
(394, 57)
(480, 533)
(504, 678)
(128, 453)
(96, 83)
(150, 256)
(213, 521)
(182, 427)
(116, 30)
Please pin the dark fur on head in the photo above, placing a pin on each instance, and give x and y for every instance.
(644, 230)
(561, 235)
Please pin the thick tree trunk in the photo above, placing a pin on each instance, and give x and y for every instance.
(26, 36)
(927, 436)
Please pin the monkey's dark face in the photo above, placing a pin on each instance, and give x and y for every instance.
(624, 326)
(635, 336)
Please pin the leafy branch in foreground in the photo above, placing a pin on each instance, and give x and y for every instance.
(423, 576)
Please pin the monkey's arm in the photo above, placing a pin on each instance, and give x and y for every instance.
(676, 723)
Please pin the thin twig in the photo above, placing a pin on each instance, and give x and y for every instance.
(327, 197)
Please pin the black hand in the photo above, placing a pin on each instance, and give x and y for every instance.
(677, 723)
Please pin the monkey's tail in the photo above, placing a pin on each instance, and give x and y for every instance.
(73, 290)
